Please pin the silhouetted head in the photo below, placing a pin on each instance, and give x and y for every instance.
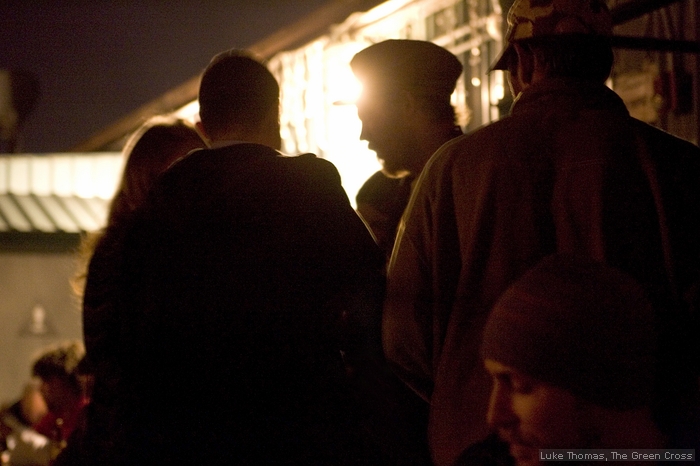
(562, 38)
(406, 89)
(149, 152)
(57, 367)
(571, 347)
(239, 98)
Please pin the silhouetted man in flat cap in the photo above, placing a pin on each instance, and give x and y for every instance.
(406, 115)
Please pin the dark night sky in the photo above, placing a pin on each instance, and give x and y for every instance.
(98, 60)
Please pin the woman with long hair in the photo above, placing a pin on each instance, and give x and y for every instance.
(150, 151)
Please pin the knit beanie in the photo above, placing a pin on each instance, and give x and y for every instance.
(579, 325)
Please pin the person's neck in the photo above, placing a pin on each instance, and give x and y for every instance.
(244, 138)
(430, 140)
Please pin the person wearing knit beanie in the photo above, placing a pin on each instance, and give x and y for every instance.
(571, 349)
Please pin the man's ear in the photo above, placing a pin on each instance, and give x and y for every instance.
(202, 133)
(526, 64)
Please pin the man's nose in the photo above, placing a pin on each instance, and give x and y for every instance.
(364, 136)
(500, 413)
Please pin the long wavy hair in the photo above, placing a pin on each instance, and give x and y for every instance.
(149, 151)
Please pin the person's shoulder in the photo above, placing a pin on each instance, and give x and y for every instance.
(312, 166)
(212, 167)
(478, 146)
(677, 161)
(225, 155)
(194, 161)
(307, 160)
(659, 138)
(379, 187)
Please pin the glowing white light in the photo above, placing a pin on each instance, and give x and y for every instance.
(353, 89)
(476, 82)
(344, 149)
(189, 112)
(498, 87)
(498, 92)
(342, 85)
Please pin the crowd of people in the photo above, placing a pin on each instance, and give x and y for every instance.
(531, 285)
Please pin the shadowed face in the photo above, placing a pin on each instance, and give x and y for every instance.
(58, 394)
(32, 402)
(385, 128)
(530, 414)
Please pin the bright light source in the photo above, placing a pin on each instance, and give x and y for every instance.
(344, 149)
(498, 87)
(348, 89)
(476, 82)
(497, 93)
(189, 112)
(342, 87)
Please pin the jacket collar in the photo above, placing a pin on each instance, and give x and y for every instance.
(568, 93)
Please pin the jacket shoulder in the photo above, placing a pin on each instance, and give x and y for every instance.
(313, 166)
(482, 145)
(660, 139)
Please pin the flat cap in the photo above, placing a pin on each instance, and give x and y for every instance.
(554, 18)
(411, 63)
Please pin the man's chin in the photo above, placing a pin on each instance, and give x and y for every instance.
(524, 455)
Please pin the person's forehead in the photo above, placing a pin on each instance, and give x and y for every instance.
(375, 97)
(502, 371)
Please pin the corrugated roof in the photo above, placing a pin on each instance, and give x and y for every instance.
(49, 200)
(51, 214)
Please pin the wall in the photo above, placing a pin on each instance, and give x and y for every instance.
(28, 280)
(661, 88)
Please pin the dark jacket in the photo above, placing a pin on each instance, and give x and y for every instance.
(237, 281)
